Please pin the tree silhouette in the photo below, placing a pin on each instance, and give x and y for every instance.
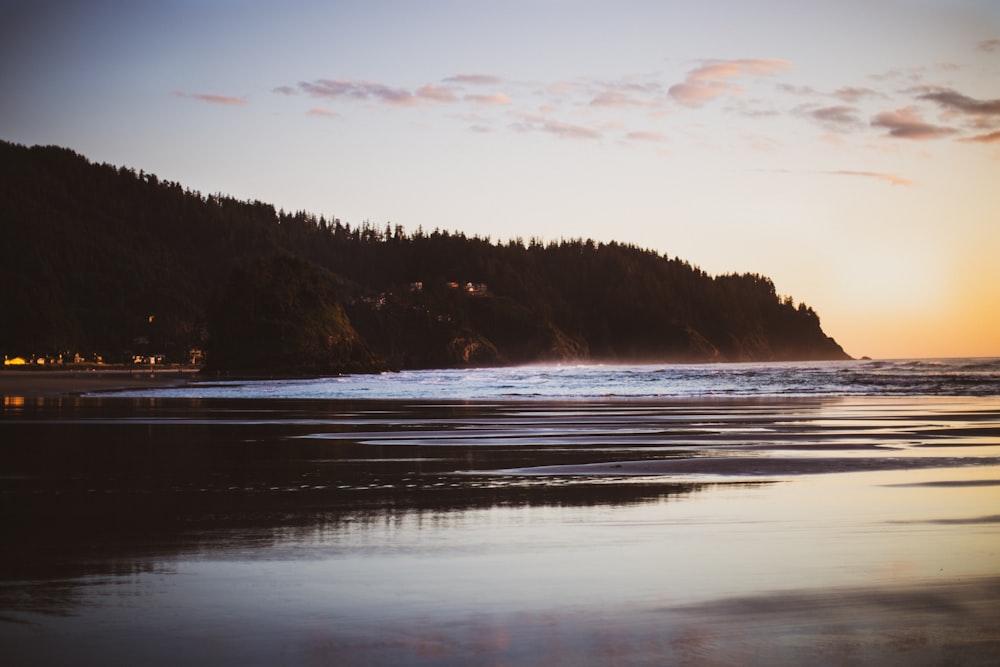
(90, 251)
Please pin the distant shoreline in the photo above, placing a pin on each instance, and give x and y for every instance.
(37, 382)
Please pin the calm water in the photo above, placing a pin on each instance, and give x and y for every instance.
(748, 514)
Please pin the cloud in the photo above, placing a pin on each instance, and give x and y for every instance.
(627, 92)
(751, 112)
(796, 90)
(907, 124)
(474, 79)
(852, 94)
(618, 99)
(732, 69)
(213, 99)
(611, 98)
(370, 91)
(954, 100)
(913, 74)
(989, 138)
(436, 94)
(535, 123)
(989, 45)
(716, 78)
(695, 95)
(646, 136)
(563, 88)
(892, 179)
(326, 113)
(849, 94)
(358, 90)
(497, 99)
(761, 144)
(838, 117)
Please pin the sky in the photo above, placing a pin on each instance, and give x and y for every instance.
(849, 150)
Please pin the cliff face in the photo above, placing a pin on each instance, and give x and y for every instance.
(278, 315)
(102, 260)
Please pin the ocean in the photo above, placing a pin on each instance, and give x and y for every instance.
(913, 377)
(787, 513)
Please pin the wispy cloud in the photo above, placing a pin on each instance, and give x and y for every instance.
(912, 74)
(906, 123)
(797, 90)
(355, 90)
(885, 177)
(212, 98)
(589, 108)
(474, 79)
(754, 109)
(537, 123)
(612, 98)
(695, 95)
(371, 91)
(989, 138)
(981, 117)
(853, 94)
(956, 101)
(731, 69)
(717, 78)
(436, 94)
(626, 92)
(892, 179)
(759, 143)
(562, 88)
(326, 113)
(646, 136)
(959, 112)
(989, 45)
(838, 118)
(490, 100)
(618, 99)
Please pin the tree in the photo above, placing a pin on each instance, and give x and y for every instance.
(280, 316)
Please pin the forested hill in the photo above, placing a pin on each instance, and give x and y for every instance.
(103, 260)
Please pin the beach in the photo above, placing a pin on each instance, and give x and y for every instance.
(149, 530)
(55, 382)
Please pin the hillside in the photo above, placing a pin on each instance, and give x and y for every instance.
(101, 260)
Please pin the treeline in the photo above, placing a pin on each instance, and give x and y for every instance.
(102, 260)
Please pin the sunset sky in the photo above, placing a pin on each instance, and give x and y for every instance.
(850, 150)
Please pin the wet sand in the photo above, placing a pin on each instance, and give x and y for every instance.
(261, 532)
(48, 382)
(738, 467)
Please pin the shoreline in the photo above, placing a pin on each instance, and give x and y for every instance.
(35, 383)
(740, 467)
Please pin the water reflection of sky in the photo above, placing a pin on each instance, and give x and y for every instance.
(387, 533)
(413, 585)
(819, 532)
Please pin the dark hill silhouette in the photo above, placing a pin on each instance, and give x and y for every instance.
(98, 259)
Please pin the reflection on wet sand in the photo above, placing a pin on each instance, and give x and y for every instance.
(158, 531)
